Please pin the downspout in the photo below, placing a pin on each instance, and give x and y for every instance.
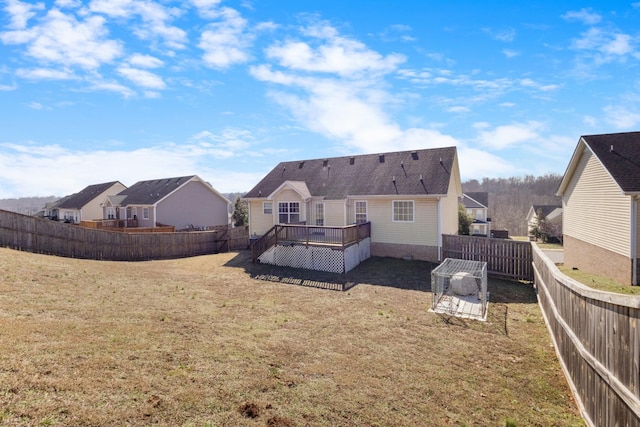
(249, 218)
(439, 229)
(634, 240)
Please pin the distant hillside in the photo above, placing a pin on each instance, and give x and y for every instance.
(26, 205)
(511, 198)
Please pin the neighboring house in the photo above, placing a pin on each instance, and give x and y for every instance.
(84, 205)
(553, 215)
(409, 197)
(600, 205)
(183, 202)
(477, 206)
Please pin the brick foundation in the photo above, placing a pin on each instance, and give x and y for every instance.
(596, 260)
(395, 250)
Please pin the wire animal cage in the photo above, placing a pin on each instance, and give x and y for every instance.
(459, 288)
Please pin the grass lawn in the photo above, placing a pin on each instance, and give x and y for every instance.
(599, 282)
(205, 341)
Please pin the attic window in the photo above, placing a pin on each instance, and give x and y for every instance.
(381, 158)
(352, 160)
(414, 155)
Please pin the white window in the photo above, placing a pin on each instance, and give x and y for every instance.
(403, 211)
(320, 214)
(267, 208)
(145, 213)
(111, 212)
(361, 211)
(288, 212)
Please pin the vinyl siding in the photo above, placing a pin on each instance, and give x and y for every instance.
(422, 231)
(259, 223)
(287, 195)
(449, 208)
(334, 213)
(637, 225)
(595, 210)
(193, 204)
(93, 209)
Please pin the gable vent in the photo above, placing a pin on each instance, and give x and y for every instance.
(381, 158)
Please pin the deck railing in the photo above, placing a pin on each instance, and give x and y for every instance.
(341, 237)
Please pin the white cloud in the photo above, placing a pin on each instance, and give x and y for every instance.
(23, 166)
(506, 136)
(44, 74)
(604, 46)
(21, 12)
(62, 39)
(109, 86)
(458, 109)
(590, 121)
(155, 19)
(507, 35)
(207, 8)
(335, 54)
(510, 53)
(229, 139)
(475, 163)
(225, 43)
(68, 3)
(586, 16)
(621, 117)
(7, 88)
(145, 61)
(538, 86)
(142, 77)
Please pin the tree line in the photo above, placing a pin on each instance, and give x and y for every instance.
(511, 198)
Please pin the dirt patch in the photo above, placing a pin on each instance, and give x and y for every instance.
(249, 410)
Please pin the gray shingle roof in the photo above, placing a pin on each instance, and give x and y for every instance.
(619, 153)
(152, 191)
(80, 199)
(478, 199)
(546, 209)
(366, 175)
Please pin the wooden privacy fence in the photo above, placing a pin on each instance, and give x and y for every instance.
(597, 338)
(507, 258)
(39, 235)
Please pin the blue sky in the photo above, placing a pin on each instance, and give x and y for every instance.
(128, 90)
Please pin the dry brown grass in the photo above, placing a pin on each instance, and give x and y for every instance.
(203, 342)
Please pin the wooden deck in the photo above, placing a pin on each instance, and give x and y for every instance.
(465, 307)
(302, 234)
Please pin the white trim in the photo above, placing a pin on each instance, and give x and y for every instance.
(413, 210)
(439, 229)
(316, 205)
(355, 210)
(289, 212)
(299, 187)
(634, 240)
